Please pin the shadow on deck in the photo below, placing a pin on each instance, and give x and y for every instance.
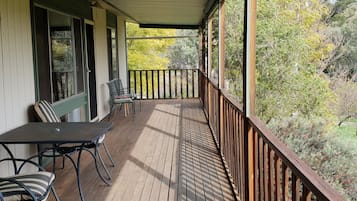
(166, 153)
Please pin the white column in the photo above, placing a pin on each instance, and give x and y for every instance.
(122, 52)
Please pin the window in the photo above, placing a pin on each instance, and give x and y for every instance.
(59, 55)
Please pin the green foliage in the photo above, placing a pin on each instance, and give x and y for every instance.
(234, 26)
(184, 53)
(342, 32)
(148, 53)
(346, 104)
(326, 154)
(289, 51)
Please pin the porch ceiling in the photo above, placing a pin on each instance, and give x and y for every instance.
(164, 12)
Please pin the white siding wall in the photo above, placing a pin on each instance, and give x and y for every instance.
(123, 67)
(101, 61)
(17, 91)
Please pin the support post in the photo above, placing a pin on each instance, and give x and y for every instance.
(209, 64)
(221, 64)
(249, 69)
(209, 67)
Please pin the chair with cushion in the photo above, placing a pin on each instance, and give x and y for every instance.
(30, 186)
(121, 90)
(45, 112)
(125, 92)
(117, 98)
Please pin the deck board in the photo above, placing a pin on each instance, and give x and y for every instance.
(165, 153)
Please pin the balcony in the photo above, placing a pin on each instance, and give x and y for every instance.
(201, 145)
(194, 149)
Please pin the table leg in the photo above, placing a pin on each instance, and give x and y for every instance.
(77, 168)
(78, 175)
(97, 166)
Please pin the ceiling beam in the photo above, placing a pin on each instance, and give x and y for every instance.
(169, 26)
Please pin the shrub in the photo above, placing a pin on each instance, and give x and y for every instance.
(308, 139)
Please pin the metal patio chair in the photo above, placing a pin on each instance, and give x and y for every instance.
(46, 113)
(34, 186)
(117, 98)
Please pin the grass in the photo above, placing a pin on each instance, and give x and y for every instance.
(346, 136)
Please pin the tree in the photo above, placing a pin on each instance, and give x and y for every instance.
(184, 52)
(346, 106)
(290, 47)
(342, 32)
(148, 53)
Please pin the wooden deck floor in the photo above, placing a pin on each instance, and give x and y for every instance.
(166, 153)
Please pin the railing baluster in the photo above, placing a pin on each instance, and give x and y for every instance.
(272, 176)
(278, 178)
(306, 194)
(187, 83)
(164, 76)
(181, 80)
(170, 83)
(152, 84)
(295, 188)
(193, 83)
(241, 148)
(158, 84)
(285, 180)
(141, 83)
(266, 172)
(175, 83)
(261, 167)
(256, 166)
(135, 85)
(147, 84)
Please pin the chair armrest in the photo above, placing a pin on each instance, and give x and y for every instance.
(23, 162)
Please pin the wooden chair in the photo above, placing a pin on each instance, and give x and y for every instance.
(46, 113)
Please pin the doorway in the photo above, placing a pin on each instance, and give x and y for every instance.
(91, 71)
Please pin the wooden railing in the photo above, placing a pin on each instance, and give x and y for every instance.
(261, 167)
(164, 84)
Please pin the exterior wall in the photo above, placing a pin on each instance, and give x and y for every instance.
(17, 93)
(123, 67)
(101, 61)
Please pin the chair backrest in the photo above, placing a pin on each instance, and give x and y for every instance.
(119, 86)
(46, 112)
(112, 89)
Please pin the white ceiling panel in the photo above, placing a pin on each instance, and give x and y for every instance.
(163, 12)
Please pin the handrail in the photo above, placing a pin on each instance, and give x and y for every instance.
(274, 171)
(164, 83)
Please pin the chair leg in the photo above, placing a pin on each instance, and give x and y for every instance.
(108, 154)
(96, 156)
(133, 107)
(55, 193)
(63, 161)
(54, 162)
(103, 164)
